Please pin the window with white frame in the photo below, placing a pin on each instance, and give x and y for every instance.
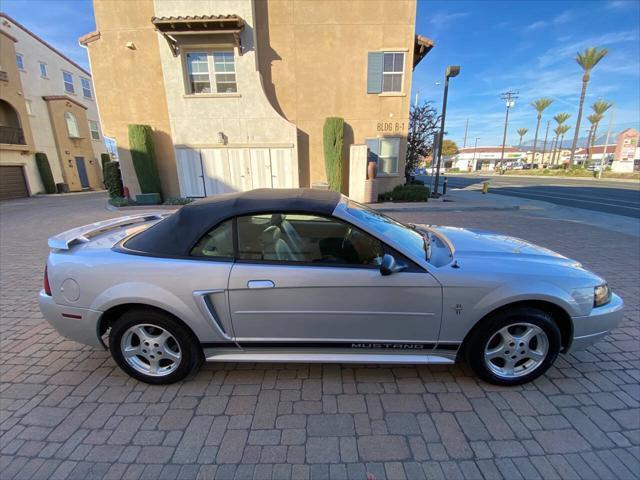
(72, 125)
(94, 129)
(43, 69)
(211, 72)
(86, 87)
(385, 152)
(20, 61)
(67, 78)
(392, 71)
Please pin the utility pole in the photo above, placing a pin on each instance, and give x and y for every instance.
(606, 143)
(475, 148)
(544, 148)
(450, 72)
(510, 98)
(466, 127)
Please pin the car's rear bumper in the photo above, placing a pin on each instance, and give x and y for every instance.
(591, 328)
(79, 324)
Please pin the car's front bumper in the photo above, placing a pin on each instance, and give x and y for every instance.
(591, 328)
(79, 324)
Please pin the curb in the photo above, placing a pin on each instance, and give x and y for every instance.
(588, 179)
(134, 208)
(459, 208)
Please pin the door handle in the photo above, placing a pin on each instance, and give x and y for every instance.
(260, 284)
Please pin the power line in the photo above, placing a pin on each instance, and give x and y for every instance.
(510, 99)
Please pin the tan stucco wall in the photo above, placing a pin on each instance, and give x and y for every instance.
(129, 84)
(313, 59)
(69, 148)
(11, 92)
(246, 118)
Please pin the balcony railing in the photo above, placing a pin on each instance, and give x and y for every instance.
(12, 136)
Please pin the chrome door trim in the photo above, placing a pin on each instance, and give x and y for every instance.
(208, 310)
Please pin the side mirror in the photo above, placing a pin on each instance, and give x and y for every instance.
(389, 265)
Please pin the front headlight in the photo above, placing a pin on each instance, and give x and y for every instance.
(601, 295)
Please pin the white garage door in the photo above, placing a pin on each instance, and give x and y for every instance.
(212, 171)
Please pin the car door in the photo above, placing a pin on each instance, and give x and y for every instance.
(309, 279)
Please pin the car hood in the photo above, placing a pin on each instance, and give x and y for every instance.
(484, 244)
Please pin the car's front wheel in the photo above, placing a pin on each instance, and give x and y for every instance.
(514, 346)
(153, 347)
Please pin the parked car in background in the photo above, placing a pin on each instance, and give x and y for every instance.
(298, 275)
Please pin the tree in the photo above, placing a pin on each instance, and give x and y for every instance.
(144, 158)
(599, 108)
(587, 61)
(560, 118)
(423, 124)
(521, 133)
(594, 118)
(562, 129)
(333, 139)
(449, 148)
(540, 106)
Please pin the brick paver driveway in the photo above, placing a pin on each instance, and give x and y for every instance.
(68, 411)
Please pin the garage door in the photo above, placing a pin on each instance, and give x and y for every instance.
(212, 171)
(12, 183)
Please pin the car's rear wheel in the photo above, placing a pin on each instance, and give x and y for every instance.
(513, 347)
(153, 347)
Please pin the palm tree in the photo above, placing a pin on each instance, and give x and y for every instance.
(599, 108)
(555, 144)
(594, 118)
(560, 118)
(563, 129)
(521, 133)
(540, 106)
(587, 61)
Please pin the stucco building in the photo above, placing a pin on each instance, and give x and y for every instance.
(237, 92)
(47, 105)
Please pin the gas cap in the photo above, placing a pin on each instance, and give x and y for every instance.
(70, 290)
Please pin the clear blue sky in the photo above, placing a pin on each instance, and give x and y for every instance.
(525, 45)
(528, 46)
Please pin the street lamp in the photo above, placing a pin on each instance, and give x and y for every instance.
(450, 72)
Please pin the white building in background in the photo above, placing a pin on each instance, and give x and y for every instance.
(47, 105)
(485, 158)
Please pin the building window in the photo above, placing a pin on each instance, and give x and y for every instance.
(67, 78)
(20, 61)
(94, 129)
(86, 88)
(392, 72)
(385, 152)
(211, 72)
(43, 69)
(225, 72)
(72, 125)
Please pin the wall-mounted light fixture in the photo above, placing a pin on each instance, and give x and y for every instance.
(130, 45)
(221, 138)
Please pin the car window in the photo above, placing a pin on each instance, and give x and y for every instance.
(299, 238)
(216, 243)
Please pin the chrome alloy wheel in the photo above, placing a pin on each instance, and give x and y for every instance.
(150, 350)
(516, 350)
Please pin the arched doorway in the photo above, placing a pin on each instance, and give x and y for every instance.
(10, 128)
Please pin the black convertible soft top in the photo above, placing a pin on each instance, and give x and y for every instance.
(175, 235)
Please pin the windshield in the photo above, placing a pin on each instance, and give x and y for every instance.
(410, 240)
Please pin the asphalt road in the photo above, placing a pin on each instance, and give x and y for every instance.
(620, 198)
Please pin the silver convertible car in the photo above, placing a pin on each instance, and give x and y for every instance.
(312, 276)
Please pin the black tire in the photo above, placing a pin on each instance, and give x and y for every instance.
(188, 346)
(479, 337)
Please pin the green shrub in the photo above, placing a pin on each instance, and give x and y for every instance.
(113, 179)
(333, 137)
(46, 176)
(178, 201)
(453, 170)
(143, 158)
(407, 193)
(121, 202)
(104, 159)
